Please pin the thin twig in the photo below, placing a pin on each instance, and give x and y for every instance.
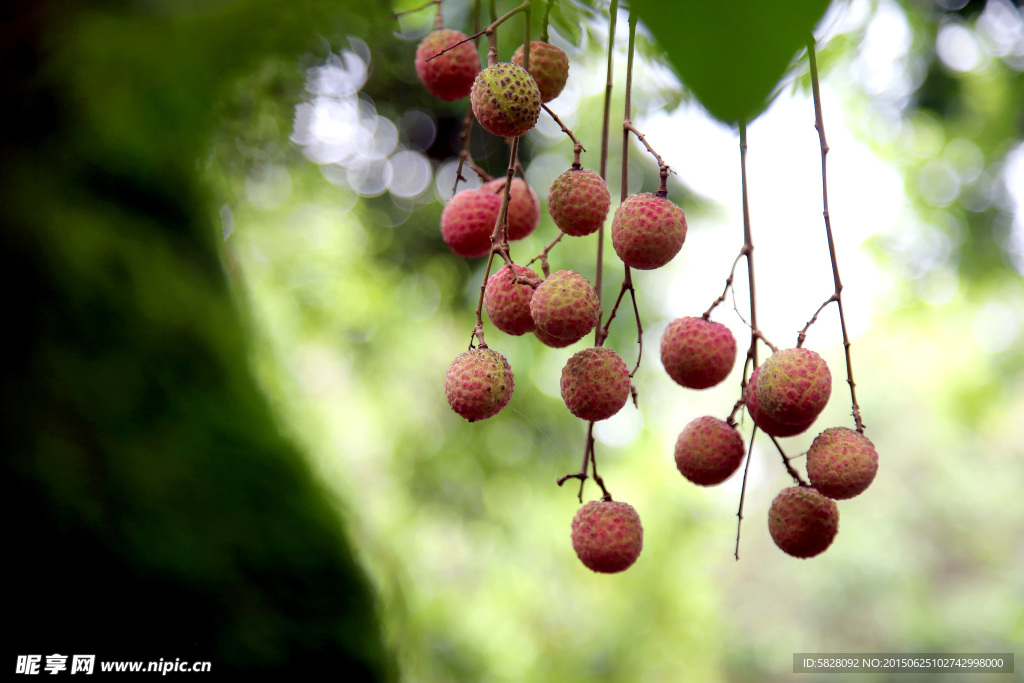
(785, 461)
(743, 491)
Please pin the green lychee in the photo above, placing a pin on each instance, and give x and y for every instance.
(448, 76)
(565, 305)
(708, 451)
(479, 384)
(595, 384)
(578, 202)
(505, 100)
(697, 353)
(607, 536)
(841, 463)
(802, 521)
(523, 206)
(467, 222)
(508, 303)
(648, 231)
(549, 66)
(764, 422)
(794, 386)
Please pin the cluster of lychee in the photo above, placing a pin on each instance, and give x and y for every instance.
(784, 396)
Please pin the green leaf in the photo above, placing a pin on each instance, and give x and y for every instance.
(731, 53)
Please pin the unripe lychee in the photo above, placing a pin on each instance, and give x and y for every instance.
(449, 76)
(803, 522)
(607, 536)
(595, 384)
(765, 423)
(708, 451)
(841, 463)
(508, 303)
(478, 384)
(697, 353)
(468, 221)
(523, 207)
(578, 202)
(549, 66)
(648, 231)
(794, 386)
(505, 100)
(565, 305)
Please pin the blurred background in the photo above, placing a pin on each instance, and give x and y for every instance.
(297, 182)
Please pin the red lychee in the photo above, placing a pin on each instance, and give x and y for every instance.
(708, 451)
(803, 522)
(648, 231)
(508, 303)
(523, 207)
(468, 221)
(794, 386)
(549, 66)
(595, 384)
(479, 384)
(565, 305)
(765, 423)
(578, 202)
(841, 463)
(449, 76)
(697, 353)
(505, 100)
(607, 536)
(555, 342)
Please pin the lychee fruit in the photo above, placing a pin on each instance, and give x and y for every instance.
(802, 521)
(449, 76)
(648, 231)
(578, 202)
(607, 536)
(555, 342)
(478, 384)
(565, 305)
(708, 451)
(523, 206)
(595, 384)
(841, 463)
(765, 423)
(549, 66)
(794, 386)
(505, 100)
(468, 221)
(508, 303)
(697, 353)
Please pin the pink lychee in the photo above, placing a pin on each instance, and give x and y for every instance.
(841, 463)
(555, 342)
(505, 100)
(468, 221)
(549, 66)
(523, 206)
(803, 522)
(478, 384)
(764, 422)
(508, 303)
(794, 386)
(697, 353)
(565, 305)
(595, 384)
(648, 231)
(708, 451)
(607, 536)
(450, 75)
(578, 202)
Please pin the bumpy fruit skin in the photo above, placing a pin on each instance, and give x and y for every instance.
(565, 305)
(505, 100)
(555, 342)
(841, 463)
(708, 451)
(794, 386)
(523, 207)
(803, 522)
(468, 221)
(549, 66)
(578, 202)
(765, 423)
(508, 303)
(479, 384)
(607, 536)
(595, 384)
(697, 353)
(451, 75)
(648, 231)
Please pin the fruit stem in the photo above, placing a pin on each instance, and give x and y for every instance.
(785, 461)
(588, 460)
(577, 147)
(819, 125)
(743, 491)
(605, 128)
(544, 22)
